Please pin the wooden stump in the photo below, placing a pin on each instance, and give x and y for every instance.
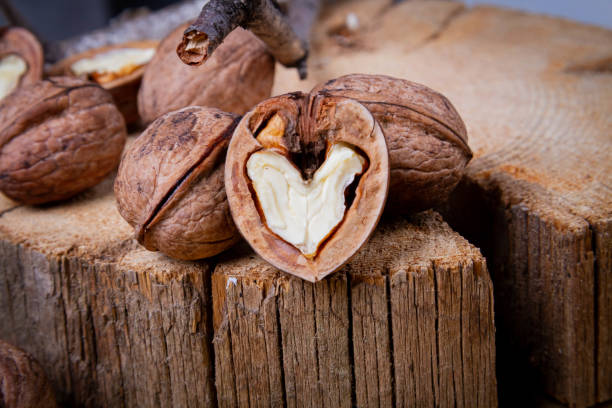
(409, 320)
(536, 95)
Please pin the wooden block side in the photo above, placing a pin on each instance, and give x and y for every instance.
(110, 334)
(602, 235)
(397, 326)
(372, 351)
(548, 280)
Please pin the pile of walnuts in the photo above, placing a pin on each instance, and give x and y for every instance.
(302, 177)
(65, 133)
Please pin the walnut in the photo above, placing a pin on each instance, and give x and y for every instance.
(425, 135)
(57, 137)
(170, 184)
(237, 76)
(23, 383)
(306, 178)
(117, 68)
(21, 59)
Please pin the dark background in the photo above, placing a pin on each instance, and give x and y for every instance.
(60, 19)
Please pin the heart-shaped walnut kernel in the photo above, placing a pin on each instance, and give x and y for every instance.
(306, 178)
(425, 135)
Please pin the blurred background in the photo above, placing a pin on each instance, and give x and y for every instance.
(61, 19)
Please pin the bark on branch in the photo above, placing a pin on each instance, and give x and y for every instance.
(288, 44)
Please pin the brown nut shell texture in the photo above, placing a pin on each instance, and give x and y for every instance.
(170, 184)
(58, 137)
(118, 68)
(21, 59)
(237, 76)
(23, 383)
(306, 178)
(426, 138)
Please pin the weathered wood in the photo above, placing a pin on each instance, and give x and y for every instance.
(112, 324)
(115, 325)
(409, 321)
(535, 94)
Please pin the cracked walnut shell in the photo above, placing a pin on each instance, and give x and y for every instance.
(170, 184)
(237, 76)
(425, 135)
(21, 59)
(118, 68)
(58, 137)
(306, 178)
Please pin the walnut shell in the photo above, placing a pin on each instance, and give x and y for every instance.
(123, 88)
(170, 184)
(20, 42)
(311, 126)
(23, 383)
(237, 76)
(425, 135)
(58, 137)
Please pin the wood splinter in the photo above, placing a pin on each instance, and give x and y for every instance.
(286, 37)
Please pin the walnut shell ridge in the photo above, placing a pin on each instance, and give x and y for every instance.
(58, 137)
(170, 184)
(426, 138)
(238, 75)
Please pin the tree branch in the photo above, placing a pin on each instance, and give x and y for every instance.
(287, 43)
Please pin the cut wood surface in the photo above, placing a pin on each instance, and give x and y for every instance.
(536, 95)
(408, 320)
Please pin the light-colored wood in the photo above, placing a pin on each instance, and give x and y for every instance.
(408, 321)
(536, 95)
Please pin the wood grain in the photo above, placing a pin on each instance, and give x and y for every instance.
(408, 322)
(536, 94)
(112, 324)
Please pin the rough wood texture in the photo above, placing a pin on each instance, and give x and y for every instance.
(536, 96)
(115, 325)
(112, 324)
(409, 321)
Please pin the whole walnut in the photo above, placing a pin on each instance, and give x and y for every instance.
(238, 75)
(170, 184)
(425, 135)
(58, 137)
(23, 383)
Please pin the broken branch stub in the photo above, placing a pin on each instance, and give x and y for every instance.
(218, 18)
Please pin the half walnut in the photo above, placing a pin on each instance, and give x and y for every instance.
(21, 59)
(170, 184)
(306, 178)
(425, 135)
(237, 76)
(117, 68)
